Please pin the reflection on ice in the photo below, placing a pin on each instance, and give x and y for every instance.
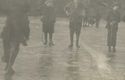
(46, 63)
(73, 68)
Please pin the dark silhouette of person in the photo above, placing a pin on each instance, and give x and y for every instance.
(113, 20)
(48, 19)
(15, 32)
(74, 11)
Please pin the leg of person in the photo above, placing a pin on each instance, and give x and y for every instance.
(13, 54)
(77, 37)
(114, 38)
(109, 42)
(51, 31)
(26, 34)
(71, 38)
(6, 47)
(26, 29)
(22, 31)
(51, 39)
(85, 22)
(45, 37)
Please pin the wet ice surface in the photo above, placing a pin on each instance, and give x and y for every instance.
(90, 62)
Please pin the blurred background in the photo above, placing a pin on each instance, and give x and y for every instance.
(36, 6)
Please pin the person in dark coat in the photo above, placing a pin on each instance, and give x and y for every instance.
(48, 19)
(15, 32)
(74, 11)
(113, 20)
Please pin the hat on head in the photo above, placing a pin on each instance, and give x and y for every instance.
(116, 5)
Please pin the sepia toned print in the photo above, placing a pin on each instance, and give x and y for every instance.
(62, 40)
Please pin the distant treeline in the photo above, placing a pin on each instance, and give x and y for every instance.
(36, 5)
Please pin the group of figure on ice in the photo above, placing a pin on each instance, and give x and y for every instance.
(17, 30)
